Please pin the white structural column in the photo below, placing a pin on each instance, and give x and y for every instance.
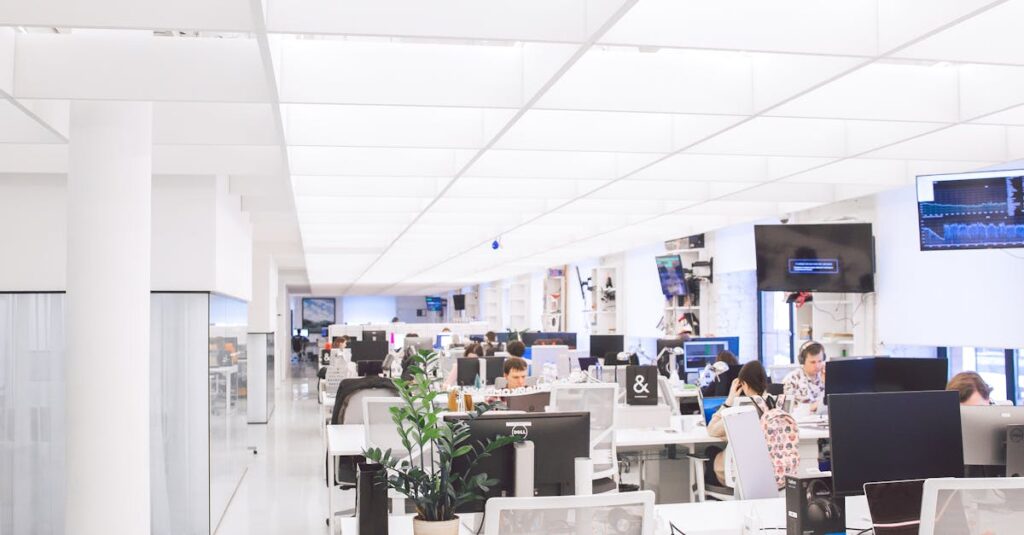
(108, 292)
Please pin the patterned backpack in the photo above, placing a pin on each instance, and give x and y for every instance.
(783, 438)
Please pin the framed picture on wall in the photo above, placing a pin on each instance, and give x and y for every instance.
(317, 312)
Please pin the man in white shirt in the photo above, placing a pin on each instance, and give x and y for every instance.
(806, 384)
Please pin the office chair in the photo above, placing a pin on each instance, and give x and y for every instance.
(629, 513)
(380, 432)
(599, 400)
(749, 469)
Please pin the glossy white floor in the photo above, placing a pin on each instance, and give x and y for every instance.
(283, 491)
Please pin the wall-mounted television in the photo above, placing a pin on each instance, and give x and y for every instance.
(670, 273)
(815, 258)
(434, 304)
(971, 210)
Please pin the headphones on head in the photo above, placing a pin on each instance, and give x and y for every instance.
(811, 347)
(820, 507)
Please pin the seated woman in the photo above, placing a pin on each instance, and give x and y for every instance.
(751, 382)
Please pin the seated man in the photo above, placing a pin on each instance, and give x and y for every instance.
(806, 384)
(515, 372)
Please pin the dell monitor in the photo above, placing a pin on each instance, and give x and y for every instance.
(984, 430)
(893, 436)
(603, 344)
(558, 439)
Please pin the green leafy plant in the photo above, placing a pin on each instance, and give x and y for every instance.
(426, 475)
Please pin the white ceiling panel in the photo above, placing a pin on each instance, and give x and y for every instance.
(1013, 116)
(963, 142)
(884, 91)
(679, 81)
(219, 159)
(907, 20)
(793, 26)
(764, 135)
(357, 187)
(495, 190)
(377, 205)
(563, 165)
(345, 161)
(391, 126)
(986, 38)
(353, 72)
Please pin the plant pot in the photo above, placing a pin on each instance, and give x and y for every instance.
(444, 527)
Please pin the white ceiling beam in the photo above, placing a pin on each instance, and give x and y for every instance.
(214, 123)
(118, 67)
(515, 20)
(222, 15)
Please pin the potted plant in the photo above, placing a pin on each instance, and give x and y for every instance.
(433, 444)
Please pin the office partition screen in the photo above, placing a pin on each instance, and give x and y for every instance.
(32, 361)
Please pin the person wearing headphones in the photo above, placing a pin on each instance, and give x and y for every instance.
(806, 384)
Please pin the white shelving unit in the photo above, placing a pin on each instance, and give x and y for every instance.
(519, 304)
(837, 321)
(554, 318)
(492, 307)
(603, 313)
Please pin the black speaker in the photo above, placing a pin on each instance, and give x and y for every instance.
(459, 301)
(811, 506)
(372, 495)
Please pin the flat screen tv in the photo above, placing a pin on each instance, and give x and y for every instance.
(815, 258)
(971, 210)
(670, 272)
(434, 304)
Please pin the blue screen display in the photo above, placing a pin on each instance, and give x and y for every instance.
(971, 210)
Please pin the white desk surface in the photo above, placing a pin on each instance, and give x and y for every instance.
(346, 439)
(708, 518)
(638, 438)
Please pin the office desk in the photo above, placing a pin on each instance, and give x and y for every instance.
(342, 441)
(726, 518)
(708, 518)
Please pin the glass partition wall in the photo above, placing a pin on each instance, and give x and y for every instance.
(32, 357)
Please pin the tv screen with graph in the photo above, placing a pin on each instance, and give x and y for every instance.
(981, 210)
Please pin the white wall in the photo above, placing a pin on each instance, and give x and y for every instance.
(33, 219)
(639, 293)
(233, 273)
(184, 236)
(943, 298)
(263, 305)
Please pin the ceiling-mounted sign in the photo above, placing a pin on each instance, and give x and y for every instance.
(690, 242)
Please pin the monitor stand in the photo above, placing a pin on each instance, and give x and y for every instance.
(523, 463)
(1014, 450)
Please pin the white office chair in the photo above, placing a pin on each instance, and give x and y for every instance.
(629, 513)
(979, 505)
(667, 395)
(599, 400)
(380, 432)
(754, 471)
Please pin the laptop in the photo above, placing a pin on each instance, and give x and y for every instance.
(895, 506)
(710, 405)
(529, 402)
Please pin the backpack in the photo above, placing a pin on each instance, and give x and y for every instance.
(783, 437)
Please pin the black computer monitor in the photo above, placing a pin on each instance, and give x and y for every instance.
(364, 350)
(495, 368)
(558, 439)
(883, 374)
(375, 336)
(602, 344)
(468, 368)
(892, 436)
(369, 367)
(587, 362)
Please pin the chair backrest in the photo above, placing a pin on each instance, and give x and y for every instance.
(755, 473)
(628, 513)
(978, 505)
(348, 405)
(599, 400)
(378, 424)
